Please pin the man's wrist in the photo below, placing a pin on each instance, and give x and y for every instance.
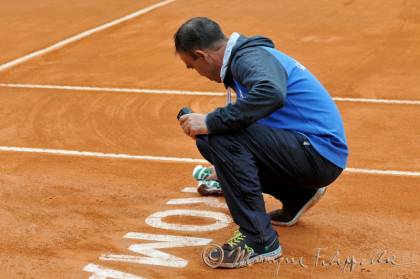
(206, 123)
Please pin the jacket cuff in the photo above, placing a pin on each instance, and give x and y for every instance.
(211, 122)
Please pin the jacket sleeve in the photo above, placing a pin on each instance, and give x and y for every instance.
(266, 82)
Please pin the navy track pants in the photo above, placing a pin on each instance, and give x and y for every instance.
(260, 159)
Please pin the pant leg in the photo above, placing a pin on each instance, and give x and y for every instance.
(288, 157)
(238, 176)
(242, 157)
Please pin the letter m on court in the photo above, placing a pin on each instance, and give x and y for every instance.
(152, 255)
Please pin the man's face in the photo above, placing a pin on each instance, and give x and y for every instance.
(203, 64)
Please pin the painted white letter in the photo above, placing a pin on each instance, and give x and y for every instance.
(154, 256)
(210, 201)
(222, 220)
(104, 273)
(189, 190)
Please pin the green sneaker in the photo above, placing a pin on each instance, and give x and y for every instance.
(237, 252)
(206, 187)
(209, 188)
(201, 173)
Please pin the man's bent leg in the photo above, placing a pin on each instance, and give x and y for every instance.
(290, 170)
(256, 241)
(238, 174)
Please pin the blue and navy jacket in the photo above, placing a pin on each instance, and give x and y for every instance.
(275, 90)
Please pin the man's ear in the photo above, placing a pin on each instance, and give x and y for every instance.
(201, 54)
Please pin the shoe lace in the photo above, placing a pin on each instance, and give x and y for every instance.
(235, 239)
(242, 253)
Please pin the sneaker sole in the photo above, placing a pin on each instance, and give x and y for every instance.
(204, 190)
(267, 257)
(318, 195)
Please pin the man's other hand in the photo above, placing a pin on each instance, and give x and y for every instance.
(194, 124)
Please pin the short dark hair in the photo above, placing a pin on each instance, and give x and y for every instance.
(197, 33)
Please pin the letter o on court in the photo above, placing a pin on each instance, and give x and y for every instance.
(221, 220)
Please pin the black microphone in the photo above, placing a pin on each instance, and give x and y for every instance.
(183, 111)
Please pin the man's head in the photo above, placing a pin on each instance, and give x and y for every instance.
(200, 43)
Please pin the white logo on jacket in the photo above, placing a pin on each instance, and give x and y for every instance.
(300, 66)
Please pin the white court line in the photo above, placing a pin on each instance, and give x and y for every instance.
(99, 154)
(172, 159)
(108, 89)
(377, 101)
(182, 92)
(383, 172)
(82, 35)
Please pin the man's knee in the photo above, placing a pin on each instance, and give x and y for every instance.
(204, 148)
(218, 141)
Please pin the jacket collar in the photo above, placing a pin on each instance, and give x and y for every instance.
(226, 57)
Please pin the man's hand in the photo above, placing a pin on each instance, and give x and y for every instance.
(194, 124)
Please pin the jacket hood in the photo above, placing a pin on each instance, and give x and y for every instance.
(245, 42)
(238, 43)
